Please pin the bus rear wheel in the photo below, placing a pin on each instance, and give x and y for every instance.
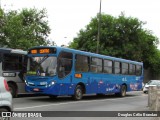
(78, 93)
(122, 91)
(13, 90)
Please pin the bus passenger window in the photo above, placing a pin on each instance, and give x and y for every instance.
(138, 70)
(96, 65)
(12, 62)
(108, 66)
(117, 68)
(125, 68)
(132, 69)
(82, 63)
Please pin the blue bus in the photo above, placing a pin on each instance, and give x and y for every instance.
(57, 71)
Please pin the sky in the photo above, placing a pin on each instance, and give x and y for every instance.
(67, 17)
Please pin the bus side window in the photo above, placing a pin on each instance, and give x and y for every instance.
(117, 67)
(132, 69)
(12, 62)
(138, 70)
(125, 68)
(108, 66)
(82, 63)
(96, 65)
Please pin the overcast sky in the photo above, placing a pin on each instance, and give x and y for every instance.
(67, 17)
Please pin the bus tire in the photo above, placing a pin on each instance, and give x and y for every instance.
(13, 90)
(122, 91)
(78, 93)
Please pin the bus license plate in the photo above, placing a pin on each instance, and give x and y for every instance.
(43, 83)
(36, 89)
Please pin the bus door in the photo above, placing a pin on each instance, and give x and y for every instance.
(82, 74)
(65, 63)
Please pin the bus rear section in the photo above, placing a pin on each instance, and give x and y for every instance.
(57, 71)
(12, 68)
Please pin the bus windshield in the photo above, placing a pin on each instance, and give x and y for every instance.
(42, 66)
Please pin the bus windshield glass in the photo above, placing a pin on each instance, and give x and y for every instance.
(42, 66)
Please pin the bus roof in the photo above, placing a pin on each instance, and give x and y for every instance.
(90, 54)
(9, 50)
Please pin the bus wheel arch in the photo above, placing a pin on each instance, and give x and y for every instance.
(83, 87)
(13, 88)
(79, 91)
(123, 91)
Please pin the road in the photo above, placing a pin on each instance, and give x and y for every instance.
(134, 101)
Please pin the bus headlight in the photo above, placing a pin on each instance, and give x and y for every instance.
(29, 83)
(52, 83)
(25, 82)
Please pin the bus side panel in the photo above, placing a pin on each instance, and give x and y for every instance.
(93, 83)
(106, 83)
(90, 81)
(113, 83)
(64, 87)
(102, 84)
(85, 80)
(135, 83)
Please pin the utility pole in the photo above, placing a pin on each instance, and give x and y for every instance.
(99, 26)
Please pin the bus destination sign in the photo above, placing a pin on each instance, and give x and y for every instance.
(42, 51)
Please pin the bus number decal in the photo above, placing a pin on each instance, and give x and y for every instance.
(124, 79)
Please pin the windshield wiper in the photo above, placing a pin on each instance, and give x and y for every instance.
(44, 58)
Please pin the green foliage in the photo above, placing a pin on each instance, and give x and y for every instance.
(2, 24)
(122, 37)
(24, 29)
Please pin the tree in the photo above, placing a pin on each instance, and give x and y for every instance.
(24, 29)
(122, 37)
(2, 24)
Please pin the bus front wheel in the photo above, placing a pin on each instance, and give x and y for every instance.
(78, 93)
(13, 90)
